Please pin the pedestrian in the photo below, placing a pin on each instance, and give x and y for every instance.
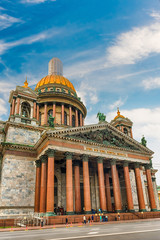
(66, 221)
(89, 219)
(92, 218)
(41, 221)
(84, 219)
(100, 218)
(118, 217)
(106, 218)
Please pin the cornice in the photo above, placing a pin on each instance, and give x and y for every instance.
(20, 125)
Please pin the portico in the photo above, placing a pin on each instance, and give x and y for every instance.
(80, 162)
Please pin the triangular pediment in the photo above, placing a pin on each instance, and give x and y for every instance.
(27, 91)
(103, 134)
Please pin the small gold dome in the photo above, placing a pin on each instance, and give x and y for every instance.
(55, 79)
(118, 114)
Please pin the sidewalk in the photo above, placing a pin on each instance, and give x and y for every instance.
(75, 225)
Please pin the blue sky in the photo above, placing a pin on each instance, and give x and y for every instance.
(110, 52)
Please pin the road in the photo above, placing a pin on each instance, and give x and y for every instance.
(149, 230)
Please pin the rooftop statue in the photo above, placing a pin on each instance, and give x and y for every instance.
(51, 121)
(143, 141)
(101, 116)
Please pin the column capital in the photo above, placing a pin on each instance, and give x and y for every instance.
(18, 96)
(34, 101)
(125, 164)
(38, 163)
(68, 156)
(100, 160)
(113, 162)
(85, 158)
(147, 166)
(43, 158)
(136, 165)
(50, 152)
(14, 97)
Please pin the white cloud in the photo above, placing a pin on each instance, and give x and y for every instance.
(7, 21)
(36, 1)
(155, 15)
(151, 83)
(82, 68)
(3, 108)
(120, 102)
(88, 94)
(4, 46)
(132, 46)
(137, 73)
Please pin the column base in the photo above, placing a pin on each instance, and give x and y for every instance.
(70, 213)
(119, 211)
(154, 210)
(142, 210)
(131, 210)
(104, 211)
(50, 214)
(88, 212)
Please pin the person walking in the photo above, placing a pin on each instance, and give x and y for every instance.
(84, 219)
(66, 221)
(41, 221)
(89, 219)
(92, 218)
(100, 218)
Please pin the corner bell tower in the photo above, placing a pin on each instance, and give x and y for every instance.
(123, 124)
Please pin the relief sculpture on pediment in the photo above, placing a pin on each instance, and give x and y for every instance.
(106, 137)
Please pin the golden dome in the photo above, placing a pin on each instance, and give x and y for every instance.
(118, 114)
(55, 79)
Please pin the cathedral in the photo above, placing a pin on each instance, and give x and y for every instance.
(51, 163)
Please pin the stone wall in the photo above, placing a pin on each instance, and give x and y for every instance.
(22, 135)
(17, 185)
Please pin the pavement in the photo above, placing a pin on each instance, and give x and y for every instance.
(12, 229)
(144, 229)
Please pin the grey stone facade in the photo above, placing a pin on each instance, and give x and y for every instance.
(22, 135)
(17, 185)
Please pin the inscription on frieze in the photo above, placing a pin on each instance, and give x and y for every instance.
(105, 151)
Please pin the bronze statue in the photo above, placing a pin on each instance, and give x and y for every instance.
(143, 141)
(101, 116)
(51, 121)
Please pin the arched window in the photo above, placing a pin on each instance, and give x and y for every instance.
(25, 109)
(65, 118)
(125, 131)
(50, 112)
(73, 121)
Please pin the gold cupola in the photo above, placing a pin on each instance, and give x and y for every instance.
(57, 96)
(55, 76)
